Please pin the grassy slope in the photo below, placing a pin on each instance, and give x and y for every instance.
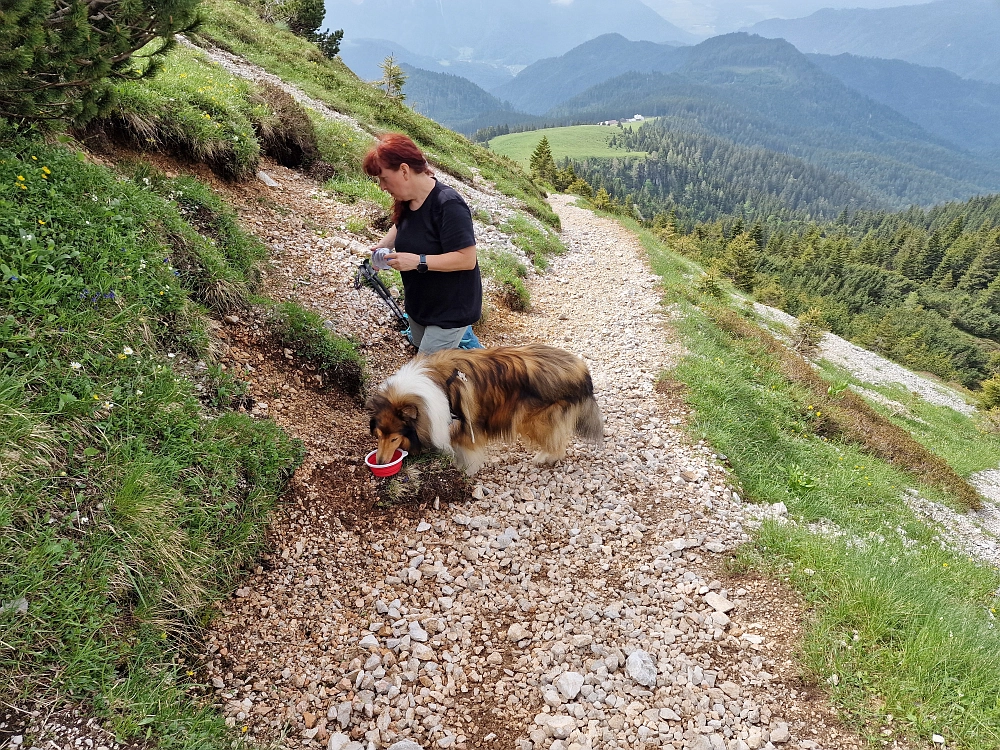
(126, 509)
(907, 627)
(575, 142)
(237, 28)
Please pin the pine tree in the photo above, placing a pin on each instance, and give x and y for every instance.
(57, 56)
(985, 268)
(740, 262)
(543, 166)
(306, 17)
(393, 78)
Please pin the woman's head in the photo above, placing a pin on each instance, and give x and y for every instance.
(386, 162)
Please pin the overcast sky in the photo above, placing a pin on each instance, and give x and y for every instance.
(709, 17)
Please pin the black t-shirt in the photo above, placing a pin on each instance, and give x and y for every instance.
(442, 224)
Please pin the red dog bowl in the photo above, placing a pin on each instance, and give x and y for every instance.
(386, 470)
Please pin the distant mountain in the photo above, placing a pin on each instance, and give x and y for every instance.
(765, 93)
(546, 83)
(451, 100)
(512, 32)
(960, 110)
(958, 35)
(363, 56)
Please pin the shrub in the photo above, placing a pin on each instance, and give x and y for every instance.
(990, 396)
(810, 330)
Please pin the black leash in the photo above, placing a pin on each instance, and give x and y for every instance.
(368, 276)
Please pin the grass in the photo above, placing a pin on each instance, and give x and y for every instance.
(538, 243)
(335, 358)
(359, 187)
(509, 274)
(574, 142)
(126, 509)
(907, 627)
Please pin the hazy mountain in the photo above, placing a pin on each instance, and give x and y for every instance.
(363, 56)
(711, 17)
(546, 83)
(963, 111)
(959, 35)
(764, 93)
(512, 32)
(451, 100)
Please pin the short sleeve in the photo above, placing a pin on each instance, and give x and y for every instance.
(457, 231)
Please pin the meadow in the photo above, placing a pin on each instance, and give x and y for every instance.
(574, 142)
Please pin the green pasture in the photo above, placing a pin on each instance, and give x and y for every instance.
(575, 142)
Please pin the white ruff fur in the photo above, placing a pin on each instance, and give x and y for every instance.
(413, 378)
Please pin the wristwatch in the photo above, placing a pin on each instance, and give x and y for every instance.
(422, 265)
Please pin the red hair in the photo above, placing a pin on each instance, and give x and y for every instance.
(392, 151)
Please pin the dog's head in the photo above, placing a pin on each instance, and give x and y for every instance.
(394, 425)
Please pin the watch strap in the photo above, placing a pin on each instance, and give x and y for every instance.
(422, 265)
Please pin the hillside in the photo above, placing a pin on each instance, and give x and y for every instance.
(453, 100)
(364, 56)
(764, 93)
(958, 35)
(546, 83)
(959, 110)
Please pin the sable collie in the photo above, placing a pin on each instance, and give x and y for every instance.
(459, 400)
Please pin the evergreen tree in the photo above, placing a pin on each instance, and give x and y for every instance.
(985, 268)
(543, 166)
(393, 78)
(741, 259)
(306, 17)
(57, 56)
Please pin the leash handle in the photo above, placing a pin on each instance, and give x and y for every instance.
(368, 276)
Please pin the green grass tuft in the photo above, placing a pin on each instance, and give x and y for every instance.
(336, 359)
(509, 274)
(539, 244)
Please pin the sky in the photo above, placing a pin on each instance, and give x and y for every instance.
(709, 17)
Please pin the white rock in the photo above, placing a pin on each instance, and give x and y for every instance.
(562, 726)
(267, 179)
(369, 642)
(937, 739)
(517, 632)
(641, 668)
(338, 741)
(568, 684)
(404, 745)
(718, 603)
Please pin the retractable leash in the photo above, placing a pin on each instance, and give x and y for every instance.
(368, 276)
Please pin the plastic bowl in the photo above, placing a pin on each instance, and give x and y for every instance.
(386, 470)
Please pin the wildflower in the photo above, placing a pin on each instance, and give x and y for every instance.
(20, 178)
(127, 351)
(34, 158)
(23, 187)
(107, 404)
(171, 355)
(138, 393)
(41, 222)
(76, 365)
(96, 397)
(46, 170)
(121, 356)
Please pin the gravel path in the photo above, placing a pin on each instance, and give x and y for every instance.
(568, 608)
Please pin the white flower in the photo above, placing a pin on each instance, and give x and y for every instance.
(171, 355)
(107, 404)
(138, 393)
(127, 351)
(75, 365)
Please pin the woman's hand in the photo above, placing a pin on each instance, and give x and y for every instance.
(403, 261)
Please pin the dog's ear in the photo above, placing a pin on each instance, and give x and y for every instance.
(408, 412)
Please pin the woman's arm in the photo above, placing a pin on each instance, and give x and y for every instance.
(457, 260)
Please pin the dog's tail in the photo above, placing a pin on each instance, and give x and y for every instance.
(590, 423)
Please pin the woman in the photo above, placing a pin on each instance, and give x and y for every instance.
(434, 245)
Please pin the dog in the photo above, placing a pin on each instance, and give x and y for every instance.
(457, 401)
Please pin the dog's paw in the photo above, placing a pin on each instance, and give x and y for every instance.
(547, 458)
